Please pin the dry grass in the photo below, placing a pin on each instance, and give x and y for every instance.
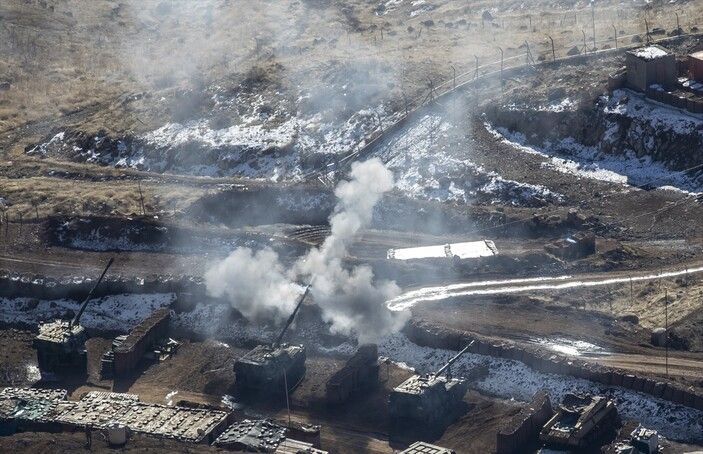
(56, 196)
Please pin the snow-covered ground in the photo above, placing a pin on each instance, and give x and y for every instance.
(661, 117)
(214, 321)
(570, 157)
(265, 142)
(114, 313)
(571, 347)
(426, 167)
(514, 380)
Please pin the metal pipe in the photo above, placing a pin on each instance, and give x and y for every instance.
(77, 318)
(292, 316)
(451, 361)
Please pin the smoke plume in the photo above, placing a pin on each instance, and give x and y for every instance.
(257, 284)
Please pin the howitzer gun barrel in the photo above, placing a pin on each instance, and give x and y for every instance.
(77, 318)
(451, 361)
(292, 316)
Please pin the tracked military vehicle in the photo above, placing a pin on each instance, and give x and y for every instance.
(275, 368)
(580, 421)
(430, 400)
(60, 344)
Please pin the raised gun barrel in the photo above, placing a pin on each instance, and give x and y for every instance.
(292, 316)
(77, 318)
(451, 361)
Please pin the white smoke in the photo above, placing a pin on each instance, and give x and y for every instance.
(258, 286)
(256, 281)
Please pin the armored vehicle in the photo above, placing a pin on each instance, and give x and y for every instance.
(275, 368)
(579, 422)
(429, 399)
(61, 344)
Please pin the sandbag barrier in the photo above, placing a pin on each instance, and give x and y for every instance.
(523, 429)
(14, 285)
(430, 335)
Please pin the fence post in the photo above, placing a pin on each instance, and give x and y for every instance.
(554, 55)
(615, 35)
(501, 63)
(593, 22)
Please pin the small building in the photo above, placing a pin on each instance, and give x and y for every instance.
(574, 247)
(695, 66)
(645, 440)
(650, 65)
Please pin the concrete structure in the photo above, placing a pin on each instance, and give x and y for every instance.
(126, 351)
(420, 447)
(579, 422)
(358, 374)
(102, 410)
(469, 250)
(650, 65)
(262, 436)
(431, 400)
(695, 66)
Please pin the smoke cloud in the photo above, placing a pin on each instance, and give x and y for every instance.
(257, 284)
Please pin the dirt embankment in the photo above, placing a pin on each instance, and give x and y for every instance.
(610, 119)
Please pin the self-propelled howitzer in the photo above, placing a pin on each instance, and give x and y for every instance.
(274, 368)
(61, 344)
(431, 400)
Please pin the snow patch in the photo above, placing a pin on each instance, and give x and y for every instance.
(113, 313)
(426, 167)
(571, 157)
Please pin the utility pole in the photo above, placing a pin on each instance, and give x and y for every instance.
(615, 35)
(285, 383)
(501, 64)
(593, 23)
(678, 25)
(666, 329)
(632, 299)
